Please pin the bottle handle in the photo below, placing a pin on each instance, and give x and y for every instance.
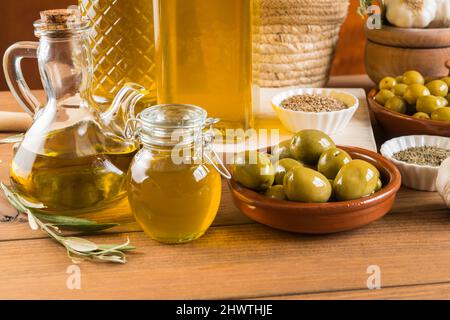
(14, 76)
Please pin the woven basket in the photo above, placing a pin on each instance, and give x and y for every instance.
(296, 40)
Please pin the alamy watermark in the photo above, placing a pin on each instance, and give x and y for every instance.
(374, 280)
(73, 281)
(374, 20)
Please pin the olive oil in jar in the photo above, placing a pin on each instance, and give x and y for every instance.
(71, 173)
(172, 203)
(174, 187)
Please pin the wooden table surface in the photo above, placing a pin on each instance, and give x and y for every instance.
(238, 258)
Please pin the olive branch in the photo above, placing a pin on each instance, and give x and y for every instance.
(78, 249)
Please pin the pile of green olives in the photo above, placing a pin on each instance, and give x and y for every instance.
(411, 94)
(307, 168)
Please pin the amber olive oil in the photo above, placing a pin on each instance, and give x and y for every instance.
(122, 44)
(204, 57)
(72, 170)
(173, 203)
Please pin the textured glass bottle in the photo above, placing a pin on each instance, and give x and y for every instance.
(122, 45)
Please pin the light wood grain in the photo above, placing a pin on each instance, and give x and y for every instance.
(437, 291)
(242, 261)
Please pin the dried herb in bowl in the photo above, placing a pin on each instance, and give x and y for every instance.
(423, 156)
(313, 103)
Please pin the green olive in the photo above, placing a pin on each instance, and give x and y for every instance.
(413, 77)
(443, 100)
(441, 114)
(399, 79)
(383, 96)
(387, 83)
(355, 180)
(308, 145)
(421, 115)
(331, 161)
(306, 185)
(282, 150)
(333, 195)
(379, 185)
(400, 89)
(446, 80)
(396, 104)
(282, 166)
(276, 192)
(428, 104)
(253, 170)
(414, 92)
(438, 88)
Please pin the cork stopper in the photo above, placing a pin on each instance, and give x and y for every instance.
(58, 21)
(61, 16)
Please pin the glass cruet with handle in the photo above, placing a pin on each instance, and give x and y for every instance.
(72, 159)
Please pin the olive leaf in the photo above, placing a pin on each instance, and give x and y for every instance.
(107, 247)
(12, 139)
(78, 249)
(74, 224)
(80, 245)
(32, 222)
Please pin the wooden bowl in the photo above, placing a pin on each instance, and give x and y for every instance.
(322, 218)
(396, 124)
(391, 51)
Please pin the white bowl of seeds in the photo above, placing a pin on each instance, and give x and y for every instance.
(328, 110)
(418, 158)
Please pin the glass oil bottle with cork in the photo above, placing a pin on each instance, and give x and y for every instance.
(72, 160)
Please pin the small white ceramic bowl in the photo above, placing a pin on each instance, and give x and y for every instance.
(415, 176)
(329, 122)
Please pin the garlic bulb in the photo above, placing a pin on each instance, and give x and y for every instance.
(443, 181)
(442, 19)
(411, 13)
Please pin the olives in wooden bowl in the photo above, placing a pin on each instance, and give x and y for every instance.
(310, 202)
(409, 104)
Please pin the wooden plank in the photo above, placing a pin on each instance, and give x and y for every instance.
(228, 214)
(242, 261)
(438, 291)
(19, 229)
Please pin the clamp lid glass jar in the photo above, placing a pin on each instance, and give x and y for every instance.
(174, 183)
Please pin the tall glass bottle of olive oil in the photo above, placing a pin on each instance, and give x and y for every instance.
(122, 44)
(204, 56)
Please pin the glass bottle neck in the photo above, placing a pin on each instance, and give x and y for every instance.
(65, 67)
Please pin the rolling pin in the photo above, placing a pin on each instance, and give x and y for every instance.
(14, 121)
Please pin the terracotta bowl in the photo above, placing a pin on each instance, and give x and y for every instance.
(396, 124)
(323, 218)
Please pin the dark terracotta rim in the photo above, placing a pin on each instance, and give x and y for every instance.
(254, 198)
(379, 108)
